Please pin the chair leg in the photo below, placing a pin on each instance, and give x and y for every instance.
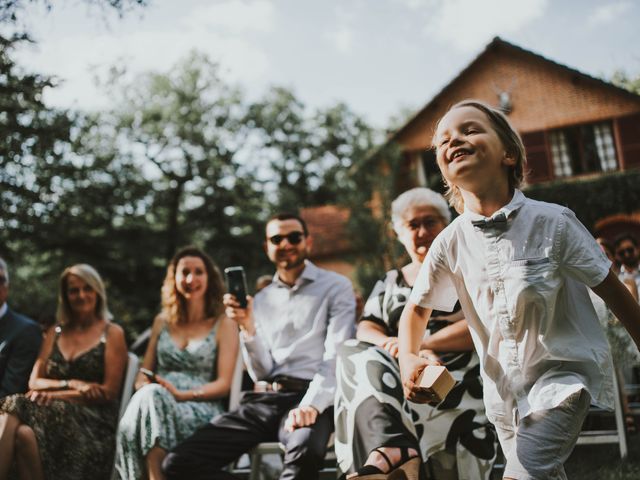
(256, 461)
(619, 414)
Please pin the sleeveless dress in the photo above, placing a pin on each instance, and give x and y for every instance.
(76, 442)
(154, 417)
(371, 410)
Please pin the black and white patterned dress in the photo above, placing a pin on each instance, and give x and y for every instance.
(370, 408)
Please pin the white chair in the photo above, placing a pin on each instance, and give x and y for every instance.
(127, 390)
(617, 435)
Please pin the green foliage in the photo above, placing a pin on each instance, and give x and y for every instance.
(622, 79)
(593, 198)
(374, 187)
(33, 139)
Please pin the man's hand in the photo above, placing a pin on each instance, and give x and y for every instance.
(242, 316)
(411, 366)
(300, 417)
(391, 346)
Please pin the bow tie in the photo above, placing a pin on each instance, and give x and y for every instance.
(497, 220)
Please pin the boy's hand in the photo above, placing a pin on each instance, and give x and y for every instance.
(411, 366)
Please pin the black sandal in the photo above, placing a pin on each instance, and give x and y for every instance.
(407, 469)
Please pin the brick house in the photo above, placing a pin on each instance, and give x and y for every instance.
(327, 226)
(575, 128)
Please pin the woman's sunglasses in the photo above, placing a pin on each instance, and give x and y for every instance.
(294, 238)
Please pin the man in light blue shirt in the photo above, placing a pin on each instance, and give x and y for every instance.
(289, 335)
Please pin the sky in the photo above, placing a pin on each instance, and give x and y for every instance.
(378, 56)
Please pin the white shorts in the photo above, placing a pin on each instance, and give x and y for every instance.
(538, 445)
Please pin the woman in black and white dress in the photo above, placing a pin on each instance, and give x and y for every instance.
(377, 430)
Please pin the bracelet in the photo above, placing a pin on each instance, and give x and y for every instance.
(64, 385)
(196, 394)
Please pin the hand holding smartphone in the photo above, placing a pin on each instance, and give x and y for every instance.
(149, 374)
(237, 284)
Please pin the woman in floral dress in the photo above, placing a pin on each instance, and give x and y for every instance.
(192, 351)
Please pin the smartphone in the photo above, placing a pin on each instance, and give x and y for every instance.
(148, 373)
(237, 284)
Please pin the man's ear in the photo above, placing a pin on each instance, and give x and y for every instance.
(309, 241)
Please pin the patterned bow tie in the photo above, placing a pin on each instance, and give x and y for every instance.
(498, 220)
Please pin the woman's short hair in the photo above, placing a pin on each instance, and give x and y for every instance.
(174, 304)
(90, 275)
(510, 140)
(418, 197)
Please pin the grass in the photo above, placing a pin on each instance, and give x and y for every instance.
(602, 462)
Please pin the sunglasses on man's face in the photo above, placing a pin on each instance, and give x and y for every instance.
(3, 280)
(626, 251)
(294, 238)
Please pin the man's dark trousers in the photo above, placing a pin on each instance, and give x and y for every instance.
(259, 418)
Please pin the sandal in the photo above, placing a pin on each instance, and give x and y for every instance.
(407, 469)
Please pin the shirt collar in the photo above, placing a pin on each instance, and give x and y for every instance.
(508, 210)
(309, 274)
(3, 309)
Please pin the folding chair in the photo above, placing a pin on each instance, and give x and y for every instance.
(617, 435)
(127, 391)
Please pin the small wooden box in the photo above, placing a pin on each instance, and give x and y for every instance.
(437, 380)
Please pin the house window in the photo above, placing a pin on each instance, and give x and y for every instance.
(583, 149)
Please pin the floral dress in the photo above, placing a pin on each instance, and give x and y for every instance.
(154, 417)
(370, 408)
(76, 441)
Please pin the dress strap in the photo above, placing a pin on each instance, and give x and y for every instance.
(103, 337)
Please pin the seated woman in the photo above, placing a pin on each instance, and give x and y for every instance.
(377, 430)
(192, 350)
(64, 427)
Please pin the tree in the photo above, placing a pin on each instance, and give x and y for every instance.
(624, 80)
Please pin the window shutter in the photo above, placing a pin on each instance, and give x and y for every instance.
(629, 135)
(538, 168)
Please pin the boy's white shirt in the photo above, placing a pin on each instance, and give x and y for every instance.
(521, 285)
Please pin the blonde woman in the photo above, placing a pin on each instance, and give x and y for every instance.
(192, 353)
(64, 427)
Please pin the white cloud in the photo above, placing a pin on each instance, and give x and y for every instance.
(71, 55)
(607, 13)
(237, 16)
(468, 25)
(341, 38)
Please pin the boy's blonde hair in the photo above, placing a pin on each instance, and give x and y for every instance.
(510, 140)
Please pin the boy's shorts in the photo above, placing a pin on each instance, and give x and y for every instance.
(538, 445)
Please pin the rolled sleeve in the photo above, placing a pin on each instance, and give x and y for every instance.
(580, 255)
(434, 287)
(340, 327)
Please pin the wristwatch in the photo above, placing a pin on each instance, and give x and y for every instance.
(65, 384)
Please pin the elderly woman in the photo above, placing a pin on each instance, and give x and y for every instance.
(377, 430)
(192, 352)
(64, 427)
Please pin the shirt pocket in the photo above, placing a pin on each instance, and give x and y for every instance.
(530, 283)
(530, 262)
